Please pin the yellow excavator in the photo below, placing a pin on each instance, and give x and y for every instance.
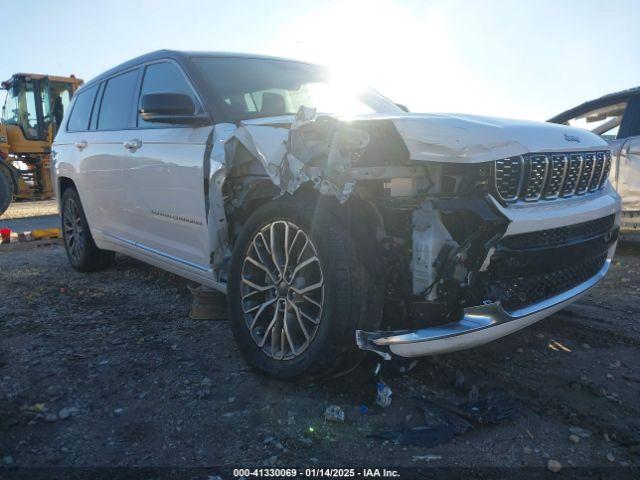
(32, 112)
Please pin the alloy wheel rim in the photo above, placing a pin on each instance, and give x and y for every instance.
(73, 229)
(282, 288)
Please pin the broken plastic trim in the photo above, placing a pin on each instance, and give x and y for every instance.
(478, 325)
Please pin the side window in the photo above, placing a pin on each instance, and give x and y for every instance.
(163, 77)
(79, 119)
(115, 108)
(631, 121)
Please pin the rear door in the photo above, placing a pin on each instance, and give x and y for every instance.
(164, 177)
(78, 148)
(104, 156)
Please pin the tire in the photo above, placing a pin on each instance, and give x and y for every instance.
(82, 251)
(6, 190)
(322, 251)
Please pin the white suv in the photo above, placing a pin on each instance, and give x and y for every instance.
(331, 217)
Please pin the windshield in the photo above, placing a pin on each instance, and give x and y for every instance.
(20, 108)
(255, 87)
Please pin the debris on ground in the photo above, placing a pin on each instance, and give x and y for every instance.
(427, 458)
(443, 421)
(9, 236)
(440, 426)
(495, 406)
(334, 413)
(207, 304)
(554, 466)
(383, 394)
(425, 436)
(65, 413)
(580, 432)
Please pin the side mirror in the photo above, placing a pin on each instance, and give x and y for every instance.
(173, 108)
(402, 107)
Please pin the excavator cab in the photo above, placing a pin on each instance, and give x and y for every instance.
(32, 112)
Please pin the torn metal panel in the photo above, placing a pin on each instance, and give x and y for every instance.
(327, 144)
(267, 144)
(216, 218)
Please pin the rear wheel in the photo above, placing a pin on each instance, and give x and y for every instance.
(6, 190)
(297, 291)
(82, 251)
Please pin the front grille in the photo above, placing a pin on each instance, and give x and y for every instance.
(519, 292)
(559, 236)
(548, 176)
(509, 174)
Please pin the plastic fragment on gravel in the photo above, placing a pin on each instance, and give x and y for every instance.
(444, 421)
(334, 413)
(427, 458)
(440, 426)
(383, 395)
(580, 432)
(493, 407)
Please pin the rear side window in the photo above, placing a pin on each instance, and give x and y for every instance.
(163, 77)
(631, 122)
(117, 102)
(79, 119)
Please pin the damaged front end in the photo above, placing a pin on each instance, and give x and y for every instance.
(455, 276)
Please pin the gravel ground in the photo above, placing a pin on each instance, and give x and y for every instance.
(28, 224)
(107, 369)
(36, 208)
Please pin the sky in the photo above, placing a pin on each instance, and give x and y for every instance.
(521, 59)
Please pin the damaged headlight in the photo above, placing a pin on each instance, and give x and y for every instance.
(465, 177)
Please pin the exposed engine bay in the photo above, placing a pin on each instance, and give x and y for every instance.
(434, 207)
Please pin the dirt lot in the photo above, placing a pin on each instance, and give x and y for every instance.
(22, 209)
(106, 369)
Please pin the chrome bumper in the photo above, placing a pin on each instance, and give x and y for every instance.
(478, 325)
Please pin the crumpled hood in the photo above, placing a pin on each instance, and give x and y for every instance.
(471, 138)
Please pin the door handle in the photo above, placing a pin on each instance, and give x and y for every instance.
(81, 145)
(132, 145)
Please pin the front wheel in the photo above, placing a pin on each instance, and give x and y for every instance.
(297, 290)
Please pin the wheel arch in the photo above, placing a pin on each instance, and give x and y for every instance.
(359, 217)
(248, 185)
(63, 184)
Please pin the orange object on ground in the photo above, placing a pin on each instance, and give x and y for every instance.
(45, 233)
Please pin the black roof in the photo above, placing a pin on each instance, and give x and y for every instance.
(179, 56)
(605, 100)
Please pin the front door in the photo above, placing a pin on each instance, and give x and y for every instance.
(164, 178)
